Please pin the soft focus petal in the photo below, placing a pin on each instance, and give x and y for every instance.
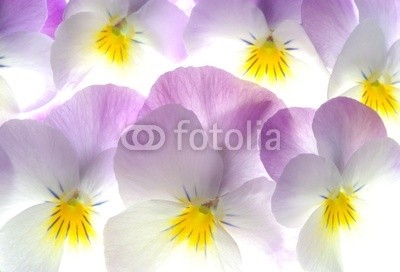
(93, 120)
(356, 61)
(165, 35)
(278, 11)
(385, 12)
(294, 127)
(171, 171)
(342, 125)
(375, 162)
(212, 21)
(101, 7)
(329, 24)
(27, 56)
(55, 10)
(8, 105)
(218, 98)
(42, 158)
(301, 186)
(315, 250)
(24, 245)
(22, 15)
(139, 232)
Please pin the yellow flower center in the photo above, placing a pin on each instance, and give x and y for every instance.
(115, 41)
(71, 220)
(378, 94)
(339, 211)
(195, 225)
(268, 61)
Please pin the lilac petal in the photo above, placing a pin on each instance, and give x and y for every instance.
(168, 167)
(94, 119)
(296, 136)
(385, 12)
(278, 11)
(329, 24)
(342, 125)
(55, 12)
(163, 24)
(22, 15)
(220, 99)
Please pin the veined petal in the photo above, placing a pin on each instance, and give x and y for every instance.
(315, 249)
(55, 10)
(166, 35)
(302, 187)
(23, 243)
(329, 24)
(386, 13)
(278, 11)
(43, 160)
(19, 15)
(357, 62)
(227, 104)
(94, 119)
(342, 125)
(142, 231)
(294, 126)
(162, 162)
(26, 55)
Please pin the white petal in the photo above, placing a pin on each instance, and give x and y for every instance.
(24, 245)
(8, 105)
(42, 158)
(135, 240)
(316, 251)
(301, 187)
(100, 7)
(356, 58)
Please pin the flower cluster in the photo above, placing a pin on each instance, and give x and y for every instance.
(208, 135)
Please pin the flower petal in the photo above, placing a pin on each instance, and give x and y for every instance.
(165, 35)
(20, 15)
(386, 13)
(329, 24)
(316, 251)
(278, 11)
(377, 161)
(93, 120)
(101, 7)
(23, 243)
(167, 167)
(357, 61)
(8, 105)
(42, 158)
(294, 127)
(27, 55)
(55, 9)
(231, 105)
(301, 187)
(140, 232)
(342, 125)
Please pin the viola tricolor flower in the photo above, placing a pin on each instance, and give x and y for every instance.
(177, 218)
(344, 198)
(120, 42)
(232, 111)
(59, 192)
(370, 74)
(234, 35)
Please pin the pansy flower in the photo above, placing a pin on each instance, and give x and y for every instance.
(59, 188)
(344, 195)
(235, 35)
(177, 219)
(231, 111)
(127, 43)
